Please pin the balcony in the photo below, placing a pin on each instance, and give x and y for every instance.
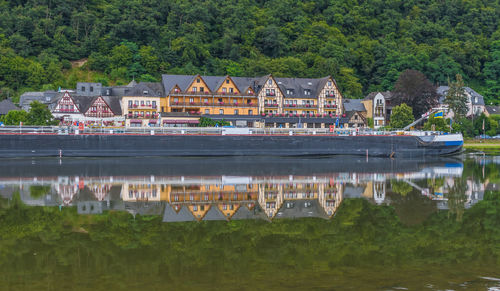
(270, 94)
(330, 106)
(273, 105)
(301, 106)
(210, 104)
(221, 94)
(143, 106)
(145, 116)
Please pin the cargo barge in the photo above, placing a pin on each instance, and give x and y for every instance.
(45, 142)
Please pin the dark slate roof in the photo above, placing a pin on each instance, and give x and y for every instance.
(171, 216)
(243, 213)
(299, 85)
(153, 89)
(387, 95)
(183, 81)
(214, 214)
(443, 90)
(213, 82)
(493, 109)
(6, 106)
(298, 209)
(114, 103)
(354, 105)
(84, 102)
(46, 97)
(243, 83)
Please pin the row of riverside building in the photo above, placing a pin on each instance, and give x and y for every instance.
(180, 100)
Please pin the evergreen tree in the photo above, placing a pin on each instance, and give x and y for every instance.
(456, 98)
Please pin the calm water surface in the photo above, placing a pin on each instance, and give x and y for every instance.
(341, 223)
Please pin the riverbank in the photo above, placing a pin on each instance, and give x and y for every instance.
(482, 144)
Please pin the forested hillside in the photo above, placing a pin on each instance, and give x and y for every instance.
(363, 44)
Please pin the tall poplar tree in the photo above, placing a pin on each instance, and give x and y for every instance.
(456, 98)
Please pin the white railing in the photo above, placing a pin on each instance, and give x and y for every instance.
(204, 131)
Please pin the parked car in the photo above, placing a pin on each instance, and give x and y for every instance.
(496, 136)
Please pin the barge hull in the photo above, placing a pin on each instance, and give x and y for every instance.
(118, 145)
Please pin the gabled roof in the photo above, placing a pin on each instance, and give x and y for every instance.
(243, 83)
(153, 89)
(214, 214)
(298, 86)
(243, 213)
(443, 90)
(183, 81)
(213, 82)
(301, 208)
(387, 95)
(170, 215)
(6, 106)
(43, 97)
(113, 103)
(354, 105)
(132, 83)
(84, 102)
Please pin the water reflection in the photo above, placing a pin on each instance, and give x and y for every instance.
(271, 195)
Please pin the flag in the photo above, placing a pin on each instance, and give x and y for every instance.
(439, 114)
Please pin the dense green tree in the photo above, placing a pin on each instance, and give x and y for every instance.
(15, 117)
(365, 45)
(39, 114)
(401, 116)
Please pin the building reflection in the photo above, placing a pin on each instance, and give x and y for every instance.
(204, 198)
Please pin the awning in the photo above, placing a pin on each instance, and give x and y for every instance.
(135, 121)
(153, 121)
(180, 121)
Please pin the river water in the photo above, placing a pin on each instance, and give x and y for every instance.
(342, 223)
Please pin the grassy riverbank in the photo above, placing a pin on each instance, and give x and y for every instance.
(482, 144)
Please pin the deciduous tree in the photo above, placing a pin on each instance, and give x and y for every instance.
(401, 116)
(416, 91)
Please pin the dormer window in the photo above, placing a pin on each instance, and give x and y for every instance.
(145, 92)
(289, 91)
(307, 92)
